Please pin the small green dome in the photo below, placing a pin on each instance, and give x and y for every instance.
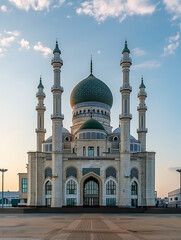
(91, 89)
(56, 48)
(92, 124)
(126, 49)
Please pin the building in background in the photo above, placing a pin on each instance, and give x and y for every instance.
(92, 165)
(174, 198)
(10, 199)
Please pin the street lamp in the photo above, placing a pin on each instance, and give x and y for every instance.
(3, 171)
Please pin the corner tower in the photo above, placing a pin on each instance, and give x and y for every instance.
(40, 108)
(142, 108)
(125, 118)
(57, 118)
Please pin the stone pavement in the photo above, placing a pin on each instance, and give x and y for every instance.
(90, 226)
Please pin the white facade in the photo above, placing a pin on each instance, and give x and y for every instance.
(91, 165)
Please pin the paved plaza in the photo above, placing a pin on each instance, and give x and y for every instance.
(90, 226)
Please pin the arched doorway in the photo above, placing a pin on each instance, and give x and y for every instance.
(91, 192)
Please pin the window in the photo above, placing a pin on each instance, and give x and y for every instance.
(97, 110)
(71, 171)
(134, 173)
(24, 185)
(125, 106)
(111, 188)
(50, 147)
(110, 171)
(71, 201)
(84, 151)
(142, 121)
(176, 198)
(135, 147)
(48, 188)
(67, 139)
(110, 201)
(48, 172)
(134, 188)
(46, 147)
(91, 151)
(71, 187)
(115, 138)
(98, 152)
(131, 147)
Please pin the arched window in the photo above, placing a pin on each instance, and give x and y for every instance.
(48, 172)
(134, 188)
(71, 187)
(110, 171)
(48, 188)
(97, 110)
(71, 171)
(84, 151)
(98, 152)
(111, 188)
(91, 151)
(134, 173)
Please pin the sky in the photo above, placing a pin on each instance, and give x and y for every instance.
(28, 31)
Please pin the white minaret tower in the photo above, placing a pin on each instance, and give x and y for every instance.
(57, 118)
(142, 108)
(125, 118)
(40, 108)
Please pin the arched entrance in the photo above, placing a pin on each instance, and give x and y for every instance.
(91, 192)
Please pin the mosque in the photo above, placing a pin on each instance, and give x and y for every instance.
(91, 165)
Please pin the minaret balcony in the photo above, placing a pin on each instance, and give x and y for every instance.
(56, 60)
(140, 130)
(125, 116)
(126, 88)
(57, 88)
(57, 116)
(43, 108)
(37, 130)
(144, 108)
(125, 60)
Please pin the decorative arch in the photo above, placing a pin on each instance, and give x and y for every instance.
(134, 173)
(48, 172)
(110, 171)
(134, 188)
(71, 191)
(71, 171)
(44, 191)
(84, 178)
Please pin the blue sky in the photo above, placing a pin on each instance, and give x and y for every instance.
(28, 31)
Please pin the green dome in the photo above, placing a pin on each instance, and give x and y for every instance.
(92, 124)
(91, 89)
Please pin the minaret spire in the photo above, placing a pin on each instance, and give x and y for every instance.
(125, 118)
(142, 108)
(57, 123)
(91, 66)
(40, 108)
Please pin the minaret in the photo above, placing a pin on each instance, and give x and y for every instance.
(125, 118)
(57, 118)
(40, 108)
(142, 108)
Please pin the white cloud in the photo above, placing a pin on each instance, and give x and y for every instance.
(70, 4)
(1, 52)
(173, 7)
(3, 8)
(138, 52)
(6, 41)
(99, 52)
(68, 16)
(173, 44)
(13, 33)
(25, 44)
(102, 9)
(61, 2)
(45, 50)
(148, 64)
(36, 5)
